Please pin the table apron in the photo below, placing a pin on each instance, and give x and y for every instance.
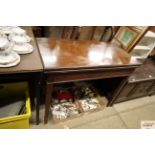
(87, 75)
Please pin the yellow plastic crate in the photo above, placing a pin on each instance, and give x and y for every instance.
(18, 121)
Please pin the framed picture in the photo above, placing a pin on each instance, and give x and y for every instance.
(139, 28)
(125, 36)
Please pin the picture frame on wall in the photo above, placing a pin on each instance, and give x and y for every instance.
(125, 36)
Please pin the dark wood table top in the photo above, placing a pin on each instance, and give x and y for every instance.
(72, 55)
(29, 62)
(144, 72)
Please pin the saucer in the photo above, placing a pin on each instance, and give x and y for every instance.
(11, 60)
(23, 49)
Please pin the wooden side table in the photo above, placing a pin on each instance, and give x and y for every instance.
(67, 61)
(30, 69)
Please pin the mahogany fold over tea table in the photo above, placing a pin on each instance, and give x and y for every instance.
(67, 61)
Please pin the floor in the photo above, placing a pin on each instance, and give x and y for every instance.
(125, 115)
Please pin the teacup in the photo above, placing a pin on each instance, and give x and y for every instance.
(18, 32)
(4, 43)
(18, 36)
(19, 40)
(7, 29)
(5, 46)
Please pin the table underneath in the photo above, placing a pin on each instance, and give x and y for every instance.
(30, 69)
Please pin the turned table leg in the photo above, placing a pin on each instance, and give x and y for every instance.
(47, 101)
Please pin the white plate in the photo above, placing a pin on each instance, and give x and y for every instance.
(13, 62)
(23, 49)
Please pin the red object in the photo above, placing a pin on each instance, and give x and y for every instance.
(63, 95)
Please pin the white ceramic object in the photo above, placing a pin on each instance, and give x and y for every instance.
(17, 39)
(4, 43)
(19, 34)
(23, 48)
(7, 29)
(18, 31)
(10, 60)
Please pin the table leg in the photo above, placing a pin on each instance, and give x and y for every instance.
(117, 91)
(38, 88)
(32, 94)
(47, 101)
(38, 96)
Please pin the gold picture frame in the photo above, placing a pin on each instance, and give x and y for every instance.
(126, 36)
